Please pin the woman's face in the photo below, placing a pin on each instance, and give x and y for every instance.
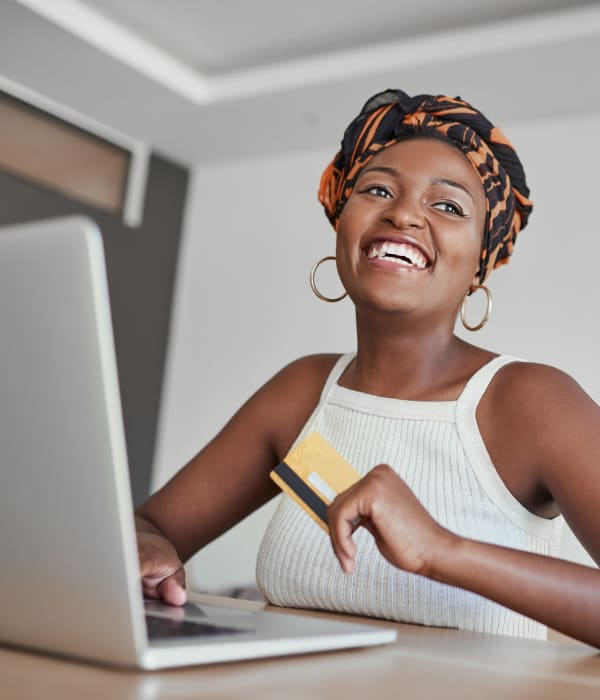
(409, 238)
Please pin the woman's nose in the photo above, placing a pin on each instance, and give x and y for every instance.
(404, 212)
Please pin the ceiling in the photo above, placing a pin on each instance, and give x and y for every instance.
(207, 80)
(220, 36)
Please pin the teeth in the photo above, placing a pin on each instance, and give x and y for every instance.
(403, 252)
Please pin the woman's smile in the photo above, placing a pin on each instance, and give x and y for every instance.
(397, 252)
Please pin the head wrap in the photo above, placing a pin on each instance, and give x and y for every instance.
(392, 116)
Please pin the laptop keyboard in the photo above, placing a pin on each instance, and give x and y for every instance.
(166, 628)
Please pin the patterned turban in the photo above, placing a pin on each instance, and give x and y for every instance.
(392, 116)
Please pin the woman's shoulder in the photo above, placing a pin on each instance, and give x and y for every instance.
(534, 419)
(533, 398)
(520, 378)
(542, 431)
(291, 396)
(298, 384)
(306, 374)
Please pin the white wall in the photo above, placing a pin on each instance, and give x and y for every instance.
(243, 306)
(243, 309)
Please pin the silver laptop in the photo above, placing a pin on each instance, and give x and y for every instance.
(69, 578)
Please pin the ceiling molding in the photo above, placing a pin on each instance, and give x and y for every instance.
(199, 89)
(124, 45)
(498, 37)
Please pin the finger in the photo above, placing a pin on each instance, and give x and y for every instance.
(151, 584)
(368, 525)
(344, 553)
(172, 589)
(343, 519)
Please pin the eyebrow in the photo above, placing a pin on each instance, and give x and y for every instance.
(451, 183)
(433, 181)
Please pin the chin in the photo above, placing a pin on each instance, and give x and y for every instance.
(385, 305)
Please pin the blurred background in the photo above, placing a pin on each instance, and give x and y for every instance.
(195, 132)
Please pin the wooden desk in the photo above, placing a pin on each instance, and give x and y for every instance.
(424, 663)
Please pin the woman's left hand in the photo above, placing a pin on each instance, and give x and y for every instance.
(404, 532)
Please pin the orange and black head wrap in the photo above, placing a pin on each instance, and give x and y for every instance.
(392, 116)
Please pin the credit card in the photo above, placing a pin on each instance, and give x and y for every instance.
(313, 474)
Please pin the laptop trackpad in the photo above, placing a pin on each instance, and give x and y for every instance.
(188, 621)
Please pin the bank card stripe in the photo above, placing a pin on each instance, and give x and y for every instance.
(304, 493)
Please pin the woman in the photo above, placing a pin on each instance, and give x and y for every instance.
(468, 460)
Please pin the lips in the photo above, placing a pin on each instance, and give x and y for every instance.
(400, 251)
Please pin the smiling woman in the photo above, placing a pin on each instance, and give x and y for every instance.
(468, 461)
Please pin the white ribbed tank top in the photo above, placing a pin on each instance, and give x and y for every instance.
(436, 447)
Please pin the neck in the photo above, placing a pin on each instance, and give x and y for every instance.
(402, 360)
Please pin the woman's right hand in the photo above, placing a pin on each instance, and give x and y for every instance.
(162, 573)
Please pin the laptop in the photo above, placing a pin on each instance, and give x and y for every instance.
(69, 577)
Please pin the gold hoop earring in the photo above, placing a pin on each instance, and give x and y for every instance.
(313, 286)
(488, 311)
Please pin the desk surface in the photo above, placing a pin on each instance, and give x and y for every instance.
(423, 663)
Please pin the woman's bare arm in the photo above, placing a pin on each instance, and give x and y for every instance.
(229, 478)
(560, 594)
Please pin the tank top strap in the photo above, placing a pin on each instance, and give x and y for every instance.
(337, 371)
(475, 388)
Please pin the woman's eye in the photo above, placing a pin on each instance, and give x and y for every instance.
(449, 207)
(378, 190)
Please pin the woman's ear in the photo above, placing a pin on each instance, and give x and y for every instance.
(476, 281)
(474, 284)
